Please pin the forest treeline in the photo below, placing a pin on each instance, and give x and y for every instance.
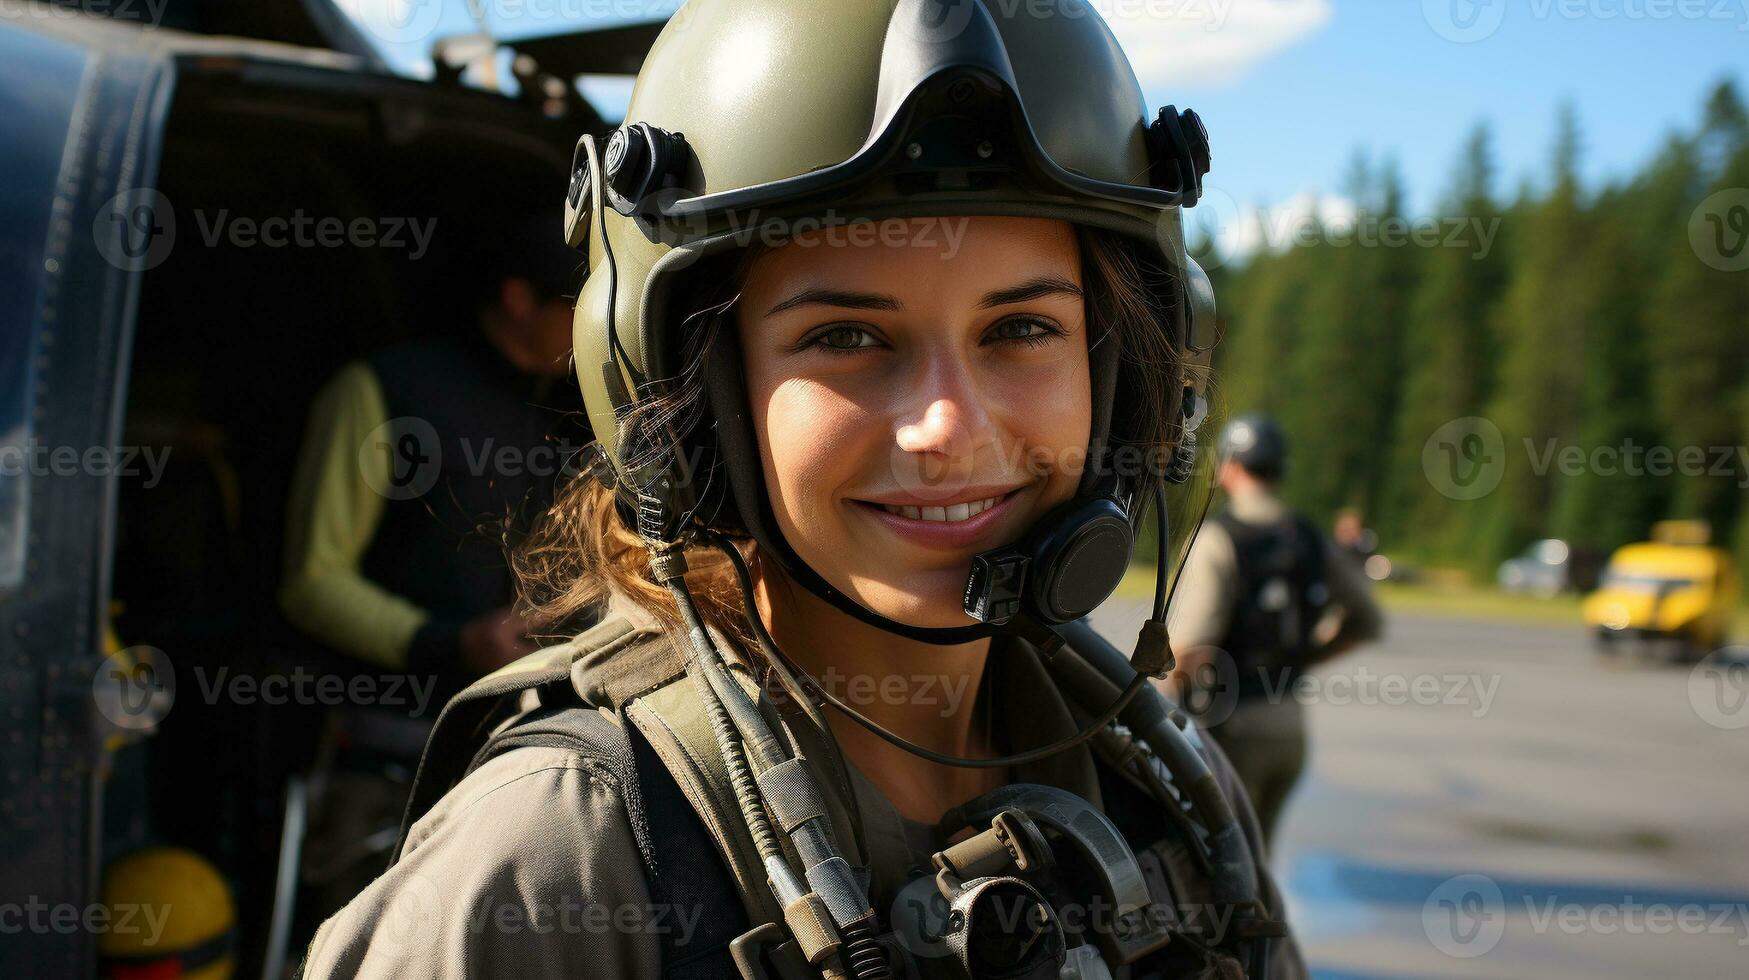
(1603, 332)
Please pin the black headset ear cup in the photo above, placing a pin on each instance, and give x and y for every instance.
(1077, 558)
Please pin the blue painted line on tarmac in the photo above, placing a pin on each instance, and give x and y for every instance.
(1321, 877)
(1329, 973)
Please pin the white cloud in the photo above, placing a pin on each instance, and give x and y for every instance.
(1240, 230)
(1207, 42)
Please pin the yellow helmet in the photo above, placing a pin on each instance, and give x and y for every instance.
(170, 914)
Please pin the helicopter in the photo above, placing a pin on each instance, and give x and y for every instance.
(209, 207)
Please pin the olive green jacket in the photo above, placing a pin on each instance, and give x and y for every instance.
(528, 867)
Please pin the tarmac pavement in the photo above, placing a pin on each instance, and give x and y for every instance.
(1497, 800)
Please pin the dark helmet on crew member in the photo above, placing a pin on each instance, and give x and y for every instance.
(1256, 442)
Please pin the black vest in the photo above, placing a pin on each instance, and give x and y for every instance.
(1281, 596)
(485, 459)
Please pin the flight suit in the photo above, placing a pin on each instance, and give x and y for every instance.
(530, 866)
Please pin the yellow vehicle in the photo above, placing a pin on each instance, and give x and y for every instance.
(1673, 592)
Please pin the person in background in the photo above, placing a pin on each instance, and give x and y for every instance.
(419, 462)
(1353, 538)
(414, 459)
(1263, 596)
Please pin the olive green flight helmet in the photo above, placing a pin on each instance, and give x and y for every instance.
(755, 116)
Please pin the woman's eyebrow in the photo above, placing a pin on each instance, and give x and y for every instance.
(1034, 288)
(1031, 289)
(837, 297)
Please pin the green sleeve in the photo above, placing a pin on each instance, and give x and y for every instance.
(332, 515)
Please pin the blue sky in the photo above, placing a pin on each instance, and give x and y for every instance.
(1378, 75)
(1290, 88)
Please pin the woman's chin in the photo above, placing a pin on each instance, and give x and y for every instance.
(937, 609)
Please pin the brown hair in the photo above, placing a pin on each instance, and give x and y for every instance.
(580, 552)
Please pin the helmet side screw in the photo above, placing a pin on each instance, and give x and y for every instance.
(914, 150)
(986, 150)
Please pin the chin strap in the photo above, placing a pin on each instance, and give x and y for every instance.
(1151, 649)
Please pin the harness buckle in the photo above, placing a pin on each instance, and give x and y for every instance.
(765, 952)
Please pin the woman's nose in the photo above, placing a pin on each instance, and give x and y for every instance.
(952, 419)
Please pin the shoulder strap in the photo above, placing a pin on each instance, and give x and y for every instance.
(686, 873)
(669, 715)
(681, 740)
(467, 718)
(686, 878)
(670, 754)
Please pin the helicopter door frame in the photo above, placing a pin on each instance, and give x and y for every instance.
(85, 127)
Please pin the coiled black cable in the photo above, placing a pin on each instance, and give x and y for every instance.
(863, 954)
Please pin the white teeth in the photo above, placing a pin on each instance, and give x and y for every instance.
(946, 515)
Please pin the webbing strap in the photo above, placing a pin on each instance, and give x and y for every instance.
(685, 875)
(680, 735)
(790, 793)
(698, 911)
(613, 675)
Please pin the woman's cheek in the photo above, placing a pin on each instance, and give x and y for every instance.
(811, 452)
(1053, 409)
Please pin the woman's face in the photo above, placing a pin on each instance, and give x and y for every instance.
(920, 394)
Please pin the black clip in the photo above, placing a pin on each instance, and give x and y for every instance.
(1180, 147)
(641, 160)
(597, 466)
(995, 586)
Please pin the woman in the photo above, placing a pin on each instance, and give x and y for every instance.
(887, 350)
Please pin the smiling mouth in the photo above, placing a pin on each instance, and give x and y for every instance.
(954, 513)
(950, 514)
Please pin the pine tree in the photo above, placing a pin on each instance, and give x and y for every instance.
(1596, 323)
(1344, 372)
(1547, 308)
(1613, 499)
(1448, 357)
(1700, 322)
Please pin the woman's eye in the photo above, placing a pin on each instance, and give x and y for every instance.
(845, 337)
(1025, 330)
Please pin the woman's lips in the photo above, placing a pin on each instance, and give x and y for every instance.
(948, 534)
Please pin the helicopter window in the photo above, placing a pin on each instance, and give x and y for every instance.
(41, 126)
